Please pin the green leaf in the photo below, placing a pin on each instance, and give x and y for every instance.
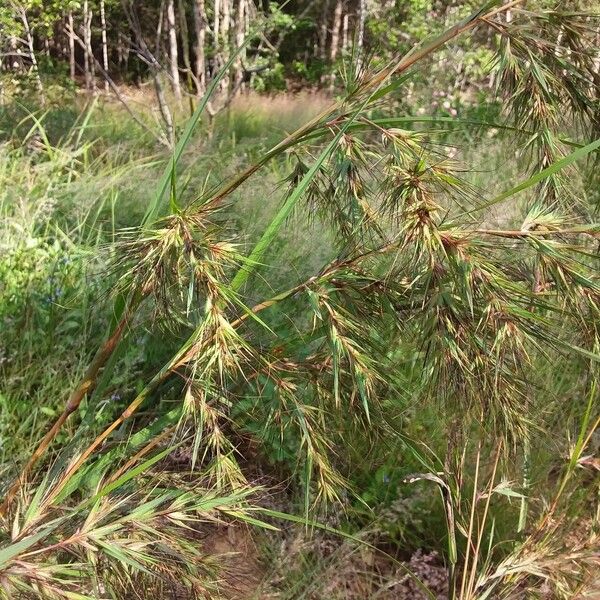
(393, 86)
(9, 552)
(253, 260)
(116, 552)
(544, 174)
(154, 208)
(131, 474)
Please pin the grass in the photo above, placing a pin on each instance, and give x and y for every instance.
(73, 230)
(324, 314)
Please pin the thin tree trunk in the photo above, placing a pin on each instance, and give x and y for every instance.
(225, 27)
(216, 22)
(120, 53)
(217, 36)
(104, 43)
(157, 70)
(345, 29)
(173, 52)
(323, 31)
(240, 34)
(185, 44)
(34, 63)
(70, 30)
(200, 23)
(225, 21)
(335, 38)
(90, 83)
(360, 38)
(249, 12)
(335, 31)
(165, 111)
(123, 49)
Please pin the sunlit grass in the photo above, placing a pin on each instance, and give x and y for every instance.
(342, 305)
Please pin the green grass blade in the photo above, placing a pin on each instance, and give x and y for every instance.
(131, 474)
(154, 209)
(253, 260)
(544, 174)
(9, 552)
(88, 478)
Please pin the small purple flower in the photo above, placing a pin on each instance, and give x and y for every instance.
(386, 478)
(115, 397)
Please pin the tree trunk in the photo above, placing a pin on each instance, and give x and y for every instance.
(104, 43)
(217, 33)
(240, 34)
(225, 20)
(225, 26)
(249, 12)
(71, 37)
(200, 25)
(34, 63)
(335, 31)
(323, 31)
(120, 51)
(165, 112)
(90, 79)
(335, 38)
(157, 70)
(360, 38)
(185, 46)
(173, 52)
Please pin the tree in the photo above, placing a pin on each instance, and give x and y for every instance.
(173, 52)
(200, 24)
(104, 41)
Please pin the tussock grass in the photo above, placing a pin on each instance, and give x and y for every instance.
(352, 304)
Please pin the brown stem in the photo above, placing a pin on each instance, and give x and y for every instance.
(183, 354)
(180, 359)
(517, 233)
(126, 414)
(88, 380)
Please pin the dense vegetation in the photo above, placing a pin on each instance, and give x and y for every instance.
(299, 300)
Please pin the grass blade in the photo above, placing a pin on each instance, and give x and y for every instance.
(154, 209)
(544, 174)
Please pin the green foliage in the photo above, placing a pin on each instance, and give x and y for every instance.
(271, 79)
(37, 279)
